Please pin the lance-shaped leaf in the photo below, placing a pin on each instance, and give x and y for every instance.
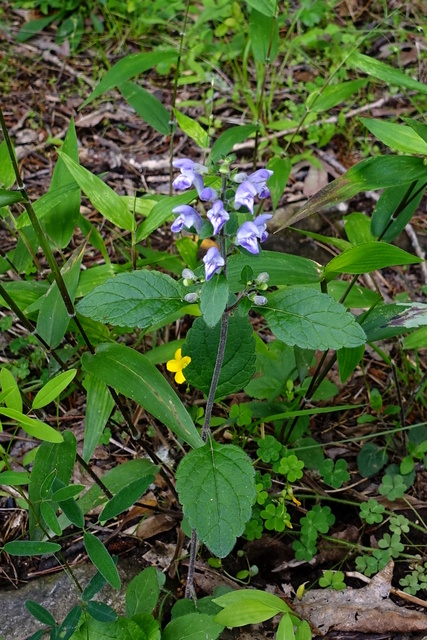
(138, 299)
(53, 388)
(147, 106)
(215, 484)
(367, 257)
(311, 320)
(33, 427)
(193, 129)
(384, 72)
(101, 559)
(30, 548)
(380, 172)
(383, 222)
(130, 373)
(9, 197)
(396, 136)
(266, 7)
(99, 405)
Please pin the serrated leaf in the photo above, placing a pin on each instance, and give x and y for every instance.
(103, 198)
(125, 498)
(367, 257)
(142, 593)
(99, 405)
(40, 613)
(239, 359)
(213, 299)
(193, 626)
(9, 384)
(129, 67)
(53, 388)
(147, 106)
(33, 427)
(101, 559)
(311, 320)
(31, 548)
(226, 141)
(215, 484)
(384, 72)
(138, 299)
(130, 373)
(192, 129)
(396, 136)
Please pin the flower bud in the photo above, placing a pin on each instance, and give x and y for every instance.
(259, 300)
(262, 278)
(187, 274)
(191, 298)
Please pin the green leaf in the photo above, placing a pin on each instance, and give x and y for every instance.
(53, 319)
(266, 7)
(60, 221)
(285, 630)
(142, 593)
(193, 626)
(120, 629)
(129, 67)
(192, 129)
(31, 548)
(14, 478)
(384, 72)
(53, 388)
(138, 299)
(40, 613)
(9, 384)
(49, 516)
(383, 223)
(264, 36)
(125, 498)
(371, 174)
(101, 611)
(311, 320)
(239, 359)
(248, 606)
(226, 141)
(33, 427)
(147, 106)
(130, 373)
(101, 559)
(10, 197)
(418, 127)
(161, 212)
(7, 172)
(348, 359)
(396, 136)
(34, 26)
(375, 323)
(103, 198)
(99, 405)
(281, 168)
(213, 299)
(65, 493)
(371, 459)
(215, 484)
(283, 269)
(412, 317)
(367, 257)
(48, 202)
(324, 100)
(70, 623)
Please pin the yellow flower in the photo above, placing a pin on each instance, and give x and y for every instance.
(177, 365)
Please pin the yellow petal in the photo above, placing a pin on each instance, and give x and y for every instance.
(173, 365)
(185, 361)
(179, 377)
(178, 355)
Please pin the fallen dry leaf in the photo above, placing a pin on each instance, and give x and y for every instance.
(366, 610)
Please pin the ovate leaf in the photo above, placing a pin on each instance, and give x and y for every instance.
(192, 129)
(142, 592)
(215, 484)
(193, 626)
(213, 299)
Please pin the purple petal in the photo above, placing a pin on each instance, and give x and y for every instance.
(198, 182)
(261, 223)
(262, 175)
(263, 192)
(208, 194)
(183, 181)
(187, 217)
(247, 237)
(218, 216)
(213, 262)
(245, 194)
(183, 163)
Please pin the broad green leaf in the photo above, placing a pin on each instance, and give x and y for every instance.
(283, 269)
(384, 72)
(216, 488)
(367, 257)
(127, 68)
(281, 168)
(266, 7)
(246, 610)
(348, 359)
(99, 405)
(396, 136)
(60, 222)
(14, 478)
(358, 298)
(40, 613)
(376, 322)
(192, 129)
(48, 202)
(226, 141)
(371, 459)
(65, 493)
(53, 388)
(147, 106)
(53, 319)
(303, 631)
(311, 320)
(264, 36)
(161, 212)
(125, 498)
(371, 174)
(103, 198)
(31, 548)
(142, 593)
(384, 223)
(416, 340)
(263, 597)
(285, 630)
(357, 228)
(418, 127)
(7, 172)
(8, 383)
(101, 611)
(50, 458)
(138, 299)
(10, 197)
(193, 626)
(324, 100)
(213, 299)
(130, 373)
(102, 560)
(120, 629)
(33, 427)
(239, 359)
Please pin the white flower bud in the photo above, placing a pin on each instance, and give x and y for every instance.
(262, 278)
(187, 274)
(191, 298)
(259, 300)
(240, 177)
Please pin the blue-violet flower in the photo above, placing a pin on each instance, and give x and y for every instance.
(261, 223)
(218, 216)
(245, 195)
(213, 262)
(187, 217)
(247, 237)
(191, 175)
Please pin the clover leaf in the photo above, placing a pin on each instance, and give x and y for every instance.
(269, 449)
(291, 467)
(372, 511)
(392, 486)
(334, 474)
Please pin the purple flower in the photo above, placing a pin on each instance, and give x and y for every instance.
(213, 262)
(259, 179)
(261, 223)
(218, 216)
(247, 237)
(191, 175)
(187, 217)
(208, 195)
(245, 195)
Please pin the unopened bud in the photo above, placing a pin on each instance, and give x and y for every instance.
(262, 278)
(191, 298)
(187, 274)
(240, 177)
(259, 300)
